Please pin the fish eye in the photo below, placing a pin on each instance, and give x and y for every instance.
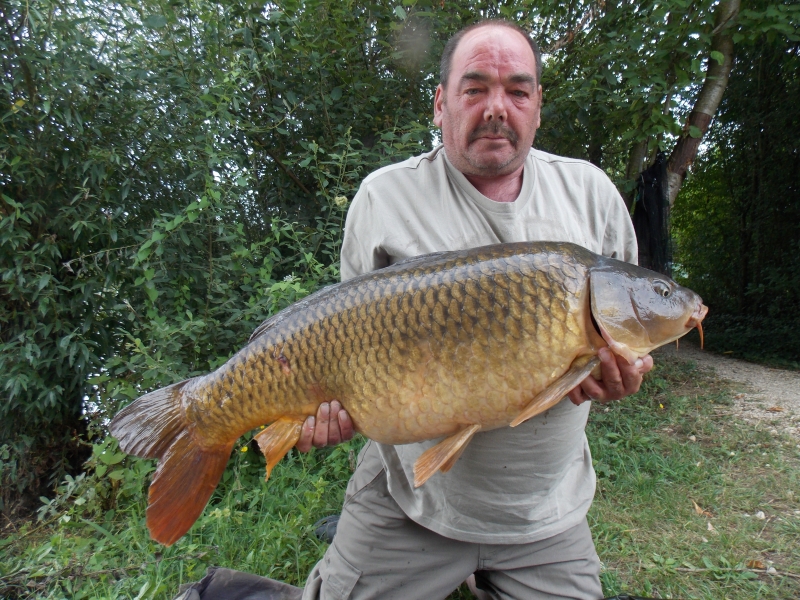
(661, 288)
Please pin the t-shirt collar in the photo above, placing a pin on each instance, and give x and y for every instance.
(471, 191)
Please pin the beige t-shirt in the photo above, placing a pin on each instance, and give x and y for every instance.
(510, 485)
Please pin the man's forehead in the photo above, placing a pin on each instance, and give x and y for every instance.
(497, 45)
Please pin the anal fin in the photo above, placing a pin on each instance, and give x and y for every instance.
(555, 392)
(443, 455)
(277, 439)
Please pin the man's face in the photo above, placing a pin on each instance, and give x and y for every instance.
(489, 112)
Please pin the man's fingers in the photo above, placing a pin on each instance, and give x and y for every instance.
(323, 423)
(334, 431)
(346, 425)
(331, 426)
(612, 378)
(577, 395)
(619, 379)
(306, 435)
(631, 376)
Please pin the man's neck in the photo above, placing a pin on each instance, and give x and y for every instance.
(503, 188)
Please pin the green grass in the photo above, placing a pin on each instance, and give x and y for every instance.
(93, 542)
(650, 537)
(251, 525)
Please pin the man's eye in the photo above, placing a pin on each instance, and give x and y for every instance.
(520, 94)
(472, 91)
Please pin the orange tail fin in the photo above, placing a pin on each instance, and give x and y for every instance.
(187, 473)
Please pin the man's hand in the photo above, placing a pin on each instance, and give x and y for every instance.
(332, 426)
(619, 379)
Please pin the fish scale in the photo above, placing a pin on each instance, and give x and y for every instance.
(437, 346)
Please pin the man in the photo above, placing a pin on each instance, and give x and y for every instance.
(513, 509)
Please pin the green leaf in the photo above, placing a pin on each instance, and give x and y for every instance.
(718, 56)
(155, 21)
(401, 14)
(151, 291)
(112, 458)
(695, 132)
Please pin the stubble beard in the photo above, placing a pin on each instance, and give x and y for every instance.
(492, 168)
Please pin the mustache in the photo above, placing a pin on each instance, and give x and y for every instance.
(494, 128)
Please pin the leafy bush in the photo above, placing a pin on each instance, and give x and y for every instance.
(163, 192)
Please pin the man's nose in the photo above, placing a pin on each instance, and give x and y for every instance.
(495, 107)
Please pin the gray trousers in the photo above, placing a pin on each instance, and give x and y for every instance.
(378, 552)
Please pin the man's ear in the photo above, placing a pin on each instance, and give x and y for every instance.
(438, 102)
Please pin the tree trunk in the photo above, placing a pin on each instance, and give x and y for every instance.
(636, 164)
(708, 100)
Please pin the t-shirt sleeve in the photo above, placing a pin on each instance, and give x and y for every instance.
(619, 238)
(362, 251)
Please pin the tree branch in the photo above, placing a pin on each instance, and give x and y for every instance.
(568, 37)
(708, 99)
(288, 172)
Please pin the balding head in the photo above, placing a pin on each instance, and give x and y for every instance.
(446, 62)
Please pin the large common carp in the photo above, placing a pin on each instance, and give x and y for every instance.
(442, 345)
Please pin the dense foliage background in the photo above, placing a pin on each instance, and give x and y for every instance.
(174, 172)
(737, 222)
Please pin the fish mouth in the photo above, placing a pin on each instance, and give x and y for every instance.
(695, 321)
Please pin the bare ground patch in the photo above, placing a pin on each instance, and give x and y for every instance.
(766, 397)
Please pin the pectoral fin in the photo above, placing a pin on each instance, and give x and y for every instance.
(443, 455)
(552, 395)
(277, 439)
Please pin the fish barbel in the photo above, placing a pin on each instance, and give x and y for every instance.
(442, 345)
